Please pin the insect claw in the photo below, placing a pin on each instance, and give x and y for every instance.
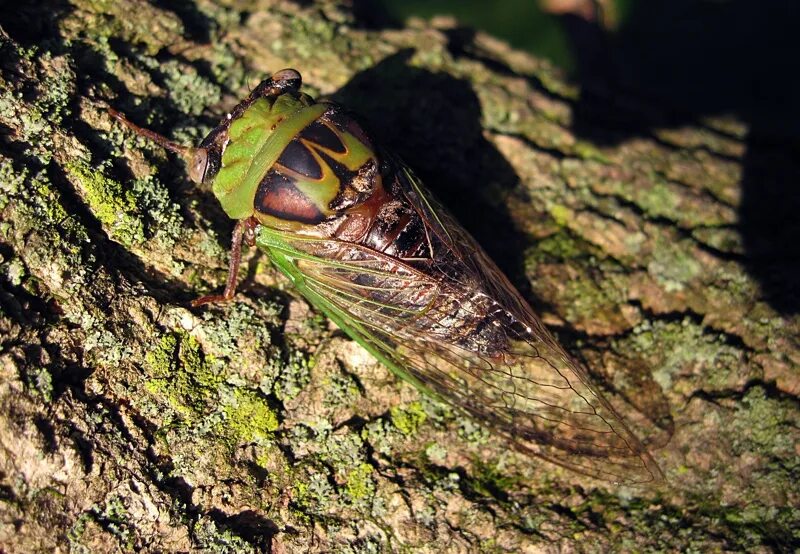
(211, 299)
(244, 231)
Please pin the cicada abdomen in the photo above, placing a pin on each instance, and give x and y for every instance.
(364, 241)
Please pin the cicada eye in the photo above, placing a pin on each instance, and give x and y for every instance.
(286, 80)
(287, 76)
(198, 164)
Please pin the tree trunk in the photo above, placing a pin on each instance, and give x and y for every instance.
(131, 421)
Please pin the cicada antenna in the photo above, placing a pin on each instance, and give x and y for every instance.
(152, 135)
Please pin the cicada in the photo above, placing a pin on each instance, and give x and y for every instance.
(366, 243)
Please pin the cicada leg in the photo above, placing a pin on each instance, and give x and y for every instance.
(244, 231)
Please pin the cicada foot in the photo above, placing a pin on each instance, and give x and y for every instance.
(243, 232)
(211, 299)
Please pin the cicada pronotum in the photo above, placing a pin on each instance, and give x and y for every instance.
(365, 242)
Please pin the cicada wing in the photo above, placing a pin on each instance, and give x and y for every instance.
(542, 401)
(510, 374)
(552, 380)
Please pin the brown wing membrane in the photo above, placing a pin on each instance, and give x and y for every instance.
(528, 338)
(479, 347)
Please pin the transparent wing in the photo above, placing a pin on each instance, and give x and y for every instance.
(473, 342)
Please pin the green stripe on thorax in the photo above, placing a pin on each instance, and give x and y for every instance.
(255, 141)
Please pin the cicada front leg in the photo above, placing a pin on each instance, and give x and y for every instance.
(243, 232)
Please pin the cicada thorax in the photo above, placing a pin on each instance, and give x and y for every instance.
(331, 179)
(325, 169)
(297, 165)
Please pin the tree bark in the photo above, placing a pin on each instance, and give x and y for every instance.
(130, 421)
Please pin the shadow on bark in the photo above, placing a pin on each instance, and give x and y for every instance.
(699, 59)
(673, 63)
(433, 121)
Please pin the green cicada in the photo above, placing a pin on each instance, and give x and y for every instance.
(364, 241)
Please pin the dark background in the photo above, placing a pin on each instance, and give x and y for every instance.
(680, 61)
